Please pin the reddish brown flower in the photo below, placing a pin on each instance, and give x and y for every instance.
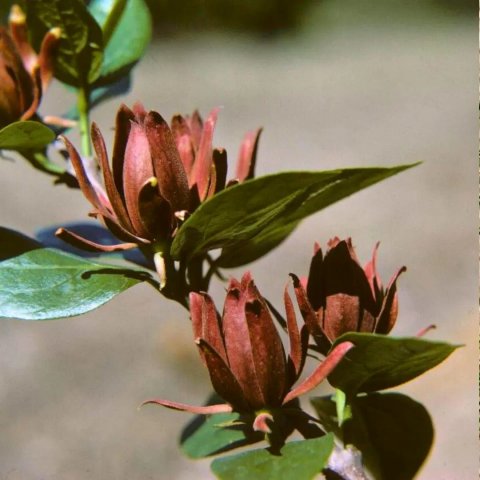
(24, 75)
(245, 356)
(340, 296)
(158, 176)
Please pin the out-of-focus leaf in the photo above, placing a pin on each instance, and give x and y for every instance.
(42, 283)
(205, 436)
(379, 361)
(249, 219)
(393, 432)
(301, 460)
(79, 55)
(25, 135)
(128, 37)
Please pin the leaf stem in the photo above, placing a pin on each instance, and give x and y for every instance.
(83, 104)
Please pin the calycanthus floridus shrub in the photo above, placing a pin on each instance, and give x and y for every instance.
(169, 194)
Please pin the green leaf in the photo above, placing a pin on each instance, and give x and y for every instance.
(206, 436)
(393, 432)
(127, 33)
(378, 361)
(251, 218)
(302, 460)
(79, 55)
(42, 283)
(25, 135)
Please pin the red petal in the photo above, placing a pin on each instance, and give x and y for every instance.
(310, 317)
(123, 123)
(80, 242)
(204, 410)
(297, 355)
(237, 343)
(248, 155)
(168, 167)
(321, 372)
(203, 161)
(267, 350)
(110, 187)
(389, 312)
(195, 124)
(222, 378)
(46, 56)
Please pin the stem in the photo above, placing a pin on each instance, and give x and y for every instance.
(112, 20)
(83, 105)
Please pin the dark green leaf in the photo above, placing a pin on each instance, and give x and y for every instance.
(127, 35)
(302, 460)
(26, 135)
(79, 55)
(251, 218)
(42, 283)
(344, 183)
(393, 432)
(378, 361)
(206, 436)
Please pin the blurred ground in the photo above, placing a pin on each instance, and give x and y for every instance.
(350, 91)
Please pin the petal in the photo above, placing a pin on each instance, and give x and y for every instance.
(220, 163)
(205, 322)
(372, 276)
(195, 124)
(321, 372)
(46, 56)
(389, 312)
(36, 89)
(260, 423)
(201, 171)
(110, 187)
(316, 280)
(18, 29)
(222, 378)
(341, 273)
(342, 314)
(198, 410)
(167, 165)
(123, 124)
(298, 348)
(267, 350)
(137, 170)
(86, 186)
(237, 343)
(310, 317)
(248, 155)
(84, 244)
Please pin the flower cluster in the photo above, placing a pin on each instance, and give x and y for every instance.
(24, 75)
(159, 175)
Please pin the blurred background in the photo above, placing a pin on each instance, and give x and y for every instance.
(334, 84)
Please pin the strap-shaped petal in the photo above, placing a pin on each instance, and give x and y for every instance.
(167, 165)
(205, 322)
(310, 317)
(123, 123)
(248, 155)
(183, 407)
(321, 372)
(267, 351)
(201, 171)
(116, 200)
(237, 343)
(389, 312)
(222, 378)
(84, 244)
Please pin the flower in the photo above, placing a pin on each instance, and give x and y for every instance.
(245, 357)
(24, 75)
(159, 175)
(340, 296)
